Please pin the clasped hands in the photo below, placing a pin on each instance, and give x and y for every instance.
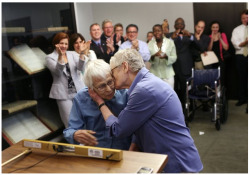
(161, 55)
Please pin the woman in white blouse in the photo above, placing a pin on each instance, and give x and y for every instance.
(77, 44)
(163, 56)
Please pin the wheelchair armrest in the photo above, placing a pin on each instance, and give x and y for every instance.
(189, 80)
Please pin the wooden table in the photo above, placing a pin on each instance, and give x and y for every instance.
(63, 163)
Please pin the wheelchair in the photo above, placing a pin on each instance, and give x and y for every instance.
(202, 88)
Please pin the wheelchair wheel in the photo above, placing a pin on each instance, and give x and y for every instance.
(223, 107)
(217, 124)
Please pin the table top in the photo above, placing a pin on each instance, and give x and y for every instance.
(63, 163)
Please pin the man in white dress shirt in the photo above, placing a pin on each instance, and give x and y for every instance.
(134, 43)
(240, 43)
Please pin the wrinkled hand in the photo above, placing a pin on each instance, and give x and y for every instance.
(95, 97)
(85, 137)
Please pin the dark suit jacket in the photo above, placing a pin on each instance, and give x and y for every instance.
(200, 46)
(184, 62)
(99, 54)
(114, 39)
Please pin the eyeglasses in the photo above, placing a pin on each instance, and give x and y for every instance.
(114, 68)
(132, 32)
(102, 87)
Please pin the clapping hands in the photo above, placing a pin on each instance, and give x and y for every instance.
(135, 44)
(110, 45)
(85, 47)
(58, 50)
(216, 36)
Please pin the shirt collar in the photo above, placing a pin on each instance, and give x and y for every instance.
(137, 79)
(97, 42)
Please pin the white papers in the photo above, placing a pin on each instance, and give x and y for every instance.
(210, 58)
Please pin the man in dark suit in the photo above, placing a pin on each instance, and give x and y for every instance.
(109, 36)
(102, 49)
(200, 45)
(183, 40)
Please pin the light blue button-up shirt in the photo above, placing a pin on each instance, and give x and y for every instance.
(154, 114)
(143, 49)
(86, 115)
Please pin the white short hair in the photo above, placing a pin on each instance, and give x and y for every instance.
(96, 68)
(131, 56)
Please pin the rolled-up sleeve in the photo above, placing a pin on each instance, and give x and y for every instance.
(76, 122)
(236, 40)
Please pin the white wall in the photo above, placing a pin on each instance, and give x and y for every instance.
(84, 18)
(145, 15)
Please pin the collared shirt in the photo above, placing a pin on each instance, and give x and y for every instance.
(163, 68)
(86, 115)
(238, 36)
(154, 114)
(97, 42)
(143, 49)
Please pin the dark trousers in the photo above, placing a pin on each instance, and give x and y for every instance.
(180, 87)
(242, 67)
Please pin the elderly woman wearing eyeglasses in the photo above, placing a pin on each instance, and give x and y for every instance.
(86, 123)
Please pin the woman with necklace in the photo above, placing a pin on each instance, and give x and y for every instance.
(63, 65)
(163, 55)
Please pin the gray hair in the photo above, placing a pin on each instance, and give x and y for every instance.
(106, 21)
(95, 68)
(131, 56)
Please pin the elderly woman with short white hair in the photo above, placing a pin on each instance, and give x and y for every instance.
(86, 124)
